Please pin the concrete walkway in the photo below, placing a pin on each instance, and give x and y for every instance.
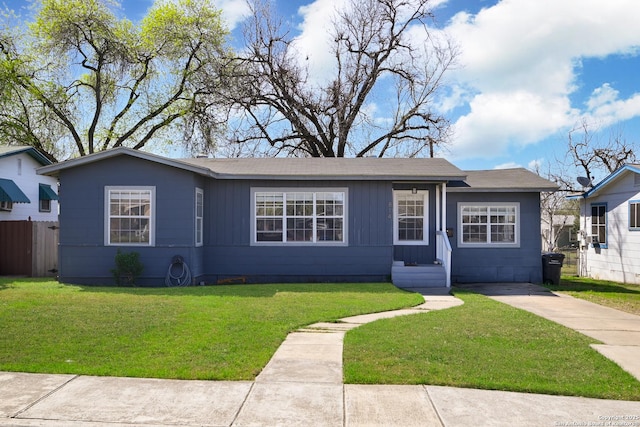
(300, 386)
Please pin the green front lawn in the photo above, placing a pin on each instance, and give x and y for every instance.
(483, 344)
(611, 294)
(230, 333)
(212, 332)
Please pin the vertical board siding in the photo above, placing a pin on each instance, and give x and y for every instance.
(228, 251)
(84, 258)
(522, 264)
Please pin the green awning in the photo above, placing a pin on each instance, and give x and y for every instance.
(46, 193)
(9, 192)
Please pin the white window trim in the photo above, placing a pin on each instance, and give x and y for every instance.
(635, 203)
(605, 206)
(199, 237)
(107, 214)
(425, 221)
(515, 244)
(42, 208)
(345, 214)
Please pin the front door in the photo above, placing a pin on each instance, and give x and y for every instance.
(411, 233)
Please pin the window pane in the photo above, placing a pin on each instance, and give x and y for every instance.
(634, 215)
(299, 230)
(602, 235)
(410, 229)
(329, 204)
(503, 234)
(474, 233)
(269, 204)
(269, 230)
(199, 204)
(299, 204)
(330, 230)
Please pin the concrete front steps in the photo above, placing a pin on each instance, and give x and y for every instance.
(418, 276)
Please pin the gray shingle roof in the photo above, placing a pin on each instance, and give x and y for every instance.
(334, 168)
(388, 169)
(503, 180)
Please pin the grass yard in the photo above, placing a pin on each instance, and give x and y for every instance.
(611, 294)
(212, 332)
(483, 344)
(231, 332)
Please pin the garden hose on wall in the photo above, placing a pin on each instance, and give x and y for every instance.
(178, 273)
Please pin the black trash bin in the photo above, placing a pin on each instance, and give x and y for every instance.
(551, 267)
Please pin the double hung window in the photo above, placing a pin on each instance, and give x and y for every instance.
(199, 220)
(599, 224)
(130, 216)
(634, 215)
(299, 216)
(410, 218)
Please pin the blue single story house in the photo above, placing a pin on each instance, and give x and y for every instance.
(418, 222)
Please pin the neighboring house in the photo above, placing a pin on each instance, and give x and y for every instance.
(25, 195)
(420, 222)
(557, 232)
(610, 227)
(28, 214)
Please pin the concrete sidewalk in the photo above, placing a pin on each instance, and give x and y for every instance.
(300, 386)
(78, 401)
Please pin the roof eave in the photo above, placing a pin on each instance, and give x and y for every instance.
(501, 190)
(35, 154)
(288, 177)
(608, 179)
(54, 169)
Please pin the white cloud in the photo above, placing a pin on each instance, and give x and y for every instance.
(520, 62)
(498, 120)
(605, 107)
(508, 165)
(234, 11)
(313, 44)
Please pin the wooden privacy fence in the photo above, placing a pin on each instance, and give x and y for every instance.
(28, 248)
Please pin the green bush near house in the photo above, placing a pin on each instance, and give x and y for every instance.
(128, 268)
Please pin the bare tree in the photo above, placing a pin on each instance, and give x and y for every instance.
(280, 108)
(589, 155)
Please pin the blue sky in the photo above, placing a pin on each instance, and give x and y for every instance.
(529, 71)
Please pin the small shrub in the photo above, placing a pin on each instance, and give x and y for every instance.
(128, 268)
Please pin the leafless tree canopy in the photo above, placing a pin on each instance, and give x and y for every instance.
(280, 108)
(589, 155)
(586, 155)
